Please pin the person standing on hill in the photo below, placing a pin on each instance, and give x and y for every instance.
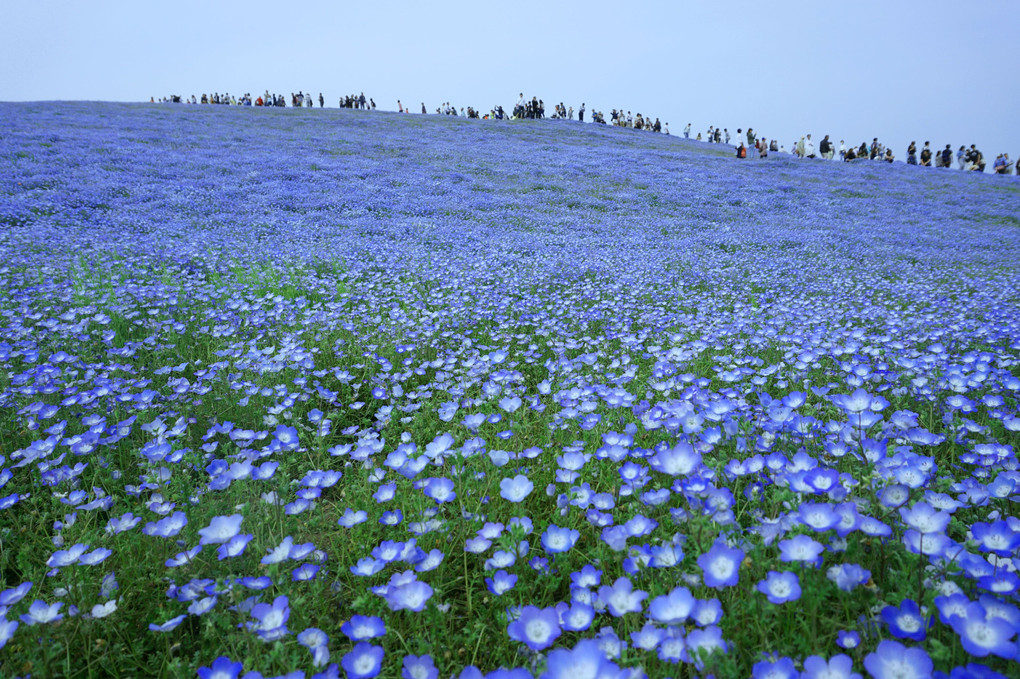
(809, 148)
(687, 131)
(580, 113)
(912, 154)
(926, 155)
(947, 156)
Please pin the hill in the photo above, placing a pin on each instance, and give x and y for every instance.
(495, 386)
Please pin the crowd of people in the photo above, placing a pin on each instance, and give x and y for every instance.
(745, 144)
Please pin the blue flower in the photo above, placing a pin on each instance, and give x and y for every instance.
(848, 576)
(362, 627)
(906, 622)
(557, 540)
(779, 668)
(271, 619)
(780, 588)
(515, 489)
(801, 548)
(501, 582)
(363, 662)
(352, 518)
(440, 489)
(220, 529)
(982, 635)
(584, 661)
(721, 565)
(419, 667)
(673, 608)
(537, 628)
(838, 667)
(222, 668)
(679, 460)
(411, 596)
(41, 613)
(893, 660)
(621, 598)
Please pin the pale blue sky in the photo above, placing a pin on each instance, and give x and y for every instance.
(897, 69)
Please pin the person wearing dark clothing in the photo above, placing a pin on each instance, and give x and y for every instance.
(912, 154)
(926, 155)
(947, 156)
(825, 146)
(580, 113)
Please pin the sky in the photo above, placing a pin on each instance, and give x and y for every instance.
(901, 70)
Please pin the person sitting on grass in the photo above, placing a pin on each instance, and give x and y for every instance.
(889, 157)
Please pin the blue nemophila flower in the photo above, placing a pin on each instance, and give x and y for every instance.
(577, 617)
(996, 537)
(858, 402)
(419, 667)
(621, 597)
(220, 529)
(183, 558)
(679, 460)
(304, 572)
(801, 548)
(894, 495)
(439, 489)
(705, 641)
(848, 576)
(169, 625)
(352, 517)
(982, 635)
(367, 566)
(721, 565)
(818, 516)
(411, 596)
(41, 613)
(848, 639)
(838, 667)
(166, 527)
(906, 621)
(924, 518)
(12, 596)
(7, 630)
(893, 660)
(362, 627)
(66, 557)
(707, 612)
(588, 576)
(501, 582)
(385, 492)
(364, 661)
(585, 661)
(537, 628)
(673, 646)
(515, 489)
(235, 546)
(222, 668)
(648, 637)
(673, 608)
(556, 540)
(202, 606)
(780, 587)
(105, 609)
(775, 668)
(316, 641)
(271, 619)
(119, 524)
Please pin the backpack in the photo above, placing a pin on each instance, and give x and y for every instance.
(742, 152)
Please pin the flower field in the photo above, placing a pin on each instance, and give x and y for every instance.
(322, 393)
